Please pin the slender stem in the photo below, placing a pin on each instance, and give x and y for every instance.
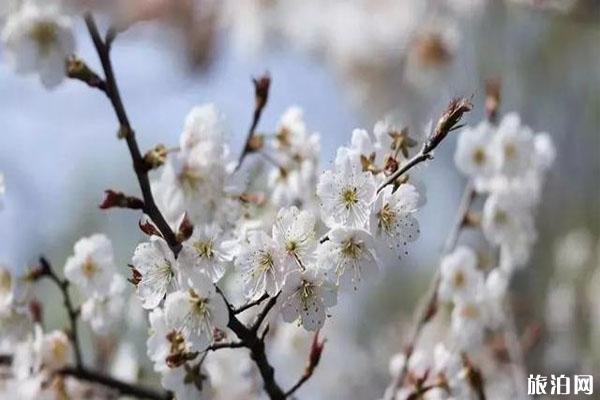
(515, 352)
(265, 311)
(428, 306)
(123, 388)
(126, 131)
(416, 160)
(228, 345)
(72, 312)
(303, 379)
(250, 304)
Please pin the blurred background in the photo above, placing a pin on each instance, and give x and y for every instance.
(347, 65)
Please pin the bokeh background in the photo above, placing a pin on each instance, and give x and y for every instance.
(59, 149)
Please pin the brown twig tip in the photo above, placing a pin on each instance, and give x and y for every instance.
(493, 97)
(261, 90)
(120, 200)
(448, 122)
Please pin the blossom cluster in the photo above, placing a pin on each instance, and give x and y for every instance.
(506, 164)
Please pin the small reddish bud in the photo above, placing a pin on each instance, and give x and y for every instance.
(136, 277)
(120, 200)
(261, 90)
(186, 229)
(149, 229)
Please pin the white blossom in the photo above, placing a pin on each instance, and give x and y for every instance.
(38, 39)
(104, 312)
(91, 267)
(158, 346)
(187, 383)
(195, 314)
(513, 146)
(307, 295)
(346, 195)
(294, 233)
(56, 350)
(204, 252)
(392, 223)
(473, 156)
(459, 277)
(469, 320)
(261, 263)
(157, 268)
(350, 255)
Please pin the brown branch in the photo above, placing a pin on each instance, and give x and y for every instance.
(250, 339)
(261, 95)
(72, 312)
(265, 311)
(250, 304)
(126, 132)
(248, 336)
(429, 305)
(123, 388)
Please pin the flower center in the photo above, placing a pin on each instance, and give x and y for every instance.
(351, 249)
(459, 279)
(205, 249)
(306, 293)
(190, 179)
(349, 197)
(501, 217)
(265, 262)
(59, 350)
(510, 151)
(386, 217)
(45, 35)
(291, 246)
(89, 268)
(479, 156)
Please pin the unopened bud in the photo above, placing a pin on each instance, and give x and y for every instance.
(156, 157)
(120, 200)
(261, 90)
(492, 99)
(78, 69)
(256, 143)
(186, 229)
(316, 351)
(149, 229)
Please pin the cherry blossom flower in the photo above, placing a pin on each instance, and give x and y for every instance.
(294, 233)
(38, 39)
(392, 223)
(104, 312)
(460, 279)
(469, 320)
(261, 264)
(307, 295)
(473, 156)
(157, 268)
(512, 146)
(346, 195)
(195, 314)
(55, 350)
(158, 346)
(350, 255)
(204, 252)
(91, 267)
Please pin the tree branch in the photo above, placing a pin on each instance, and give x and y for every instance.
(72, 312)
(261, 94)
(447, 123)
(428, 307)
(123, 388)
(250, 304)
(126, 132)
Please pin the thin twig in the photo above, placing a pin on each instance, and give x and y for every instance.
(227, 345)
(250, 304)
(72, 312)
(261, 91)
(126, 131)
(428, 307)
(265, 311)
(123, 388)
